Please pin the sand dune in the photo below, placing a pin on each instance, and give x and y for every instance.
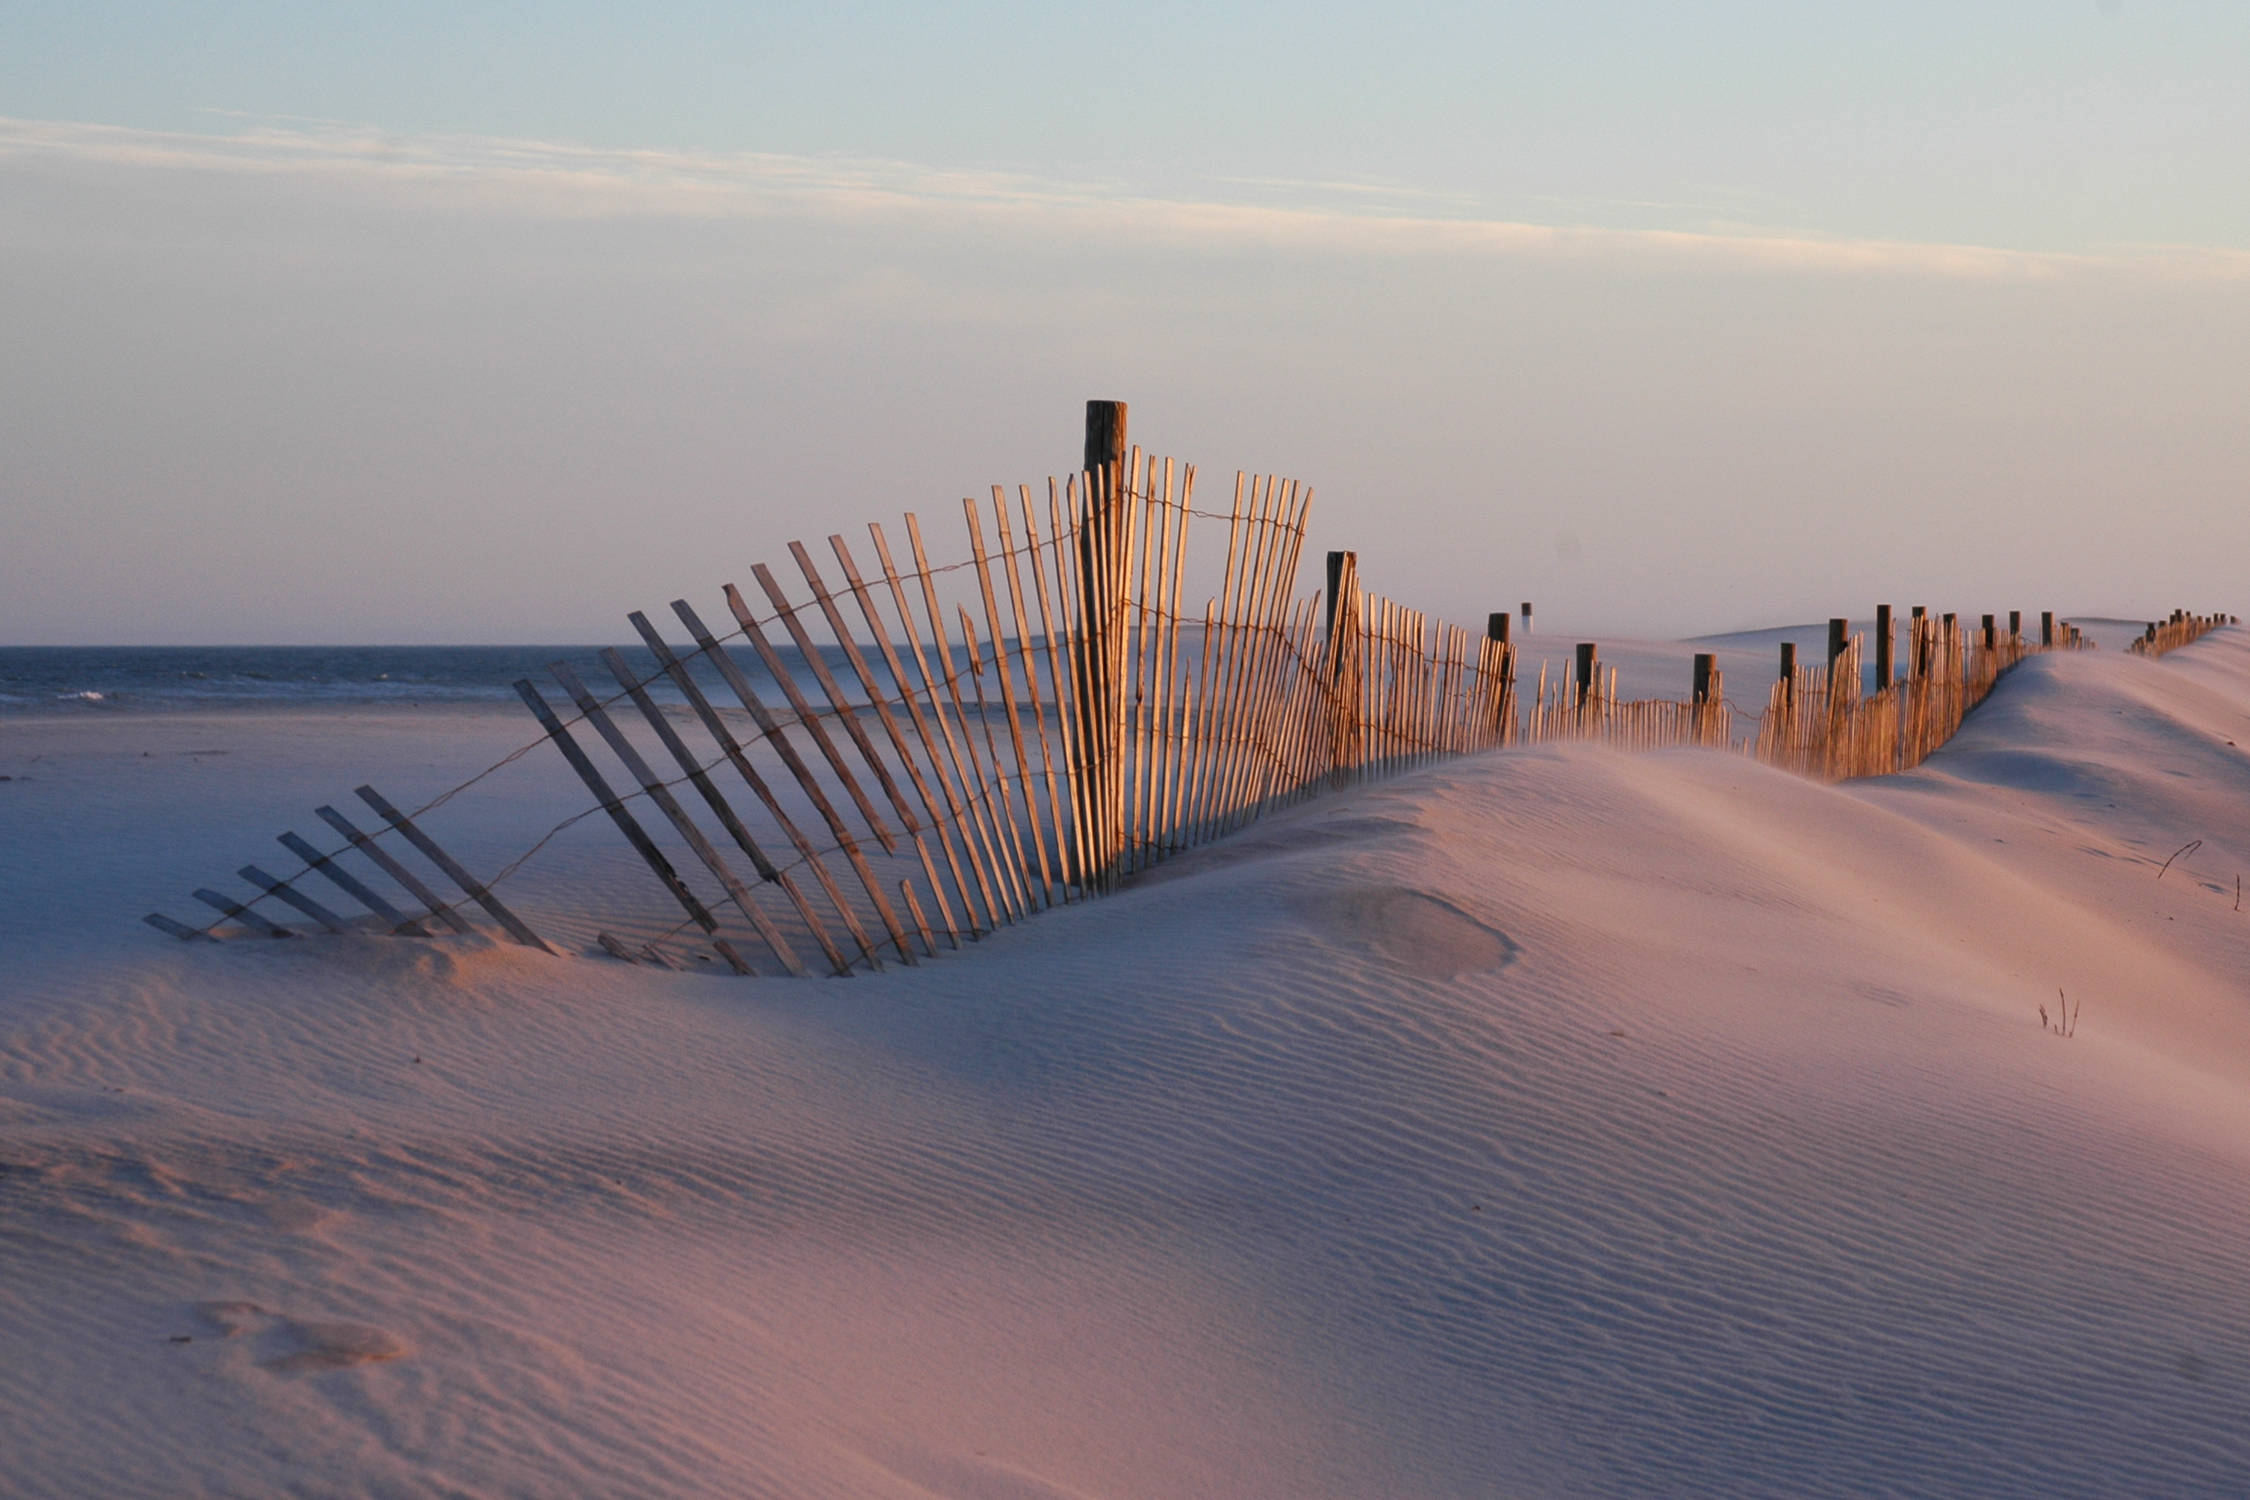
(1549, 1123)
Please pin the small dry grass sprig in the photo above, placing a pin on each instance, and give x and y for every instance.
(2187, 848)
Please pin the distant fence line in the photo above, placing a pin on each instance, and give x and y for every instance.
(1818, 721)
(1035, 722)
(2169, 635)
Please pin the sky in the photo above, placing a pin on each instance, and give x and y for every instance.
(413, 323)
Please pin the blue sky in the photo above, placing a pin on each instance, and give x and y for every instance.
(1680, 317)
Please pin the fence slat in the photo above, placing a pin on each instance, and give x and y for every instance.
(512, 924)
(180, 930)
(241, 913)
(281, 891)
(408, 881)
(350, 885)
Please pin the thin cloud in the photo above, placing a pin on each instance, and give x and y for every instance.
(565, 180)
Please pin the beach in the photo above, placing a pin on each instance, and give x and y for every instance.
(1546, 1122)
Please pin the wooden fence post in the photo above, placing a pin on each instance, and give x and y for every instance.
(2015, 624)
(1503, 697)
(1527, 617)
(2046, 627)
(1588, 665)
(1991, 634)
(1347, 665)
(1098, 576)
(1789, 668)
(1336, 562)
(1883, 646)
(1838, 631)
(1706, 665)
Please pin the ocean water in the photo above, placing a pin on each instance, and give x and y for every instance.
(122, 679)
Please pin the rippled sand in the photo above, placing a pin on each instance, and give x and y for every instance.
(1546, 1123)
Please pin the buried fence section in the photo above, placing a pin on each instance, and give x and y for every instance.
(935, 746)
(329, 866)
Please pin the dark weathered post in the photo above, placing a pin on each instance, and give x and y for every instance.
(1588, 665)
(1920, 665)
(1882, 647)
(1105, 436)
(2046, 627)
(1838, 630)
(1104, 468)
(2015, 624)
(1527, 617)
(1504, 700)
(1706, 667)
(1336, 562)
(1348, 683)
(1789, 668)
(1991, 634)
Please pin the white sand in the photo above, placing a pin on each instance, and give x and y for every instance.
(1547, 1123)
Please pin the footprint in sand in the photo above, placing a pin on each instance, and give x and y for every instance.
(1423, 934)
(337, 1346)
(231, 1318)
(299, 1345)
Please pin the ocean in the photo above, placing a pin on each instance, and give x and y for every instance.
(120, 679)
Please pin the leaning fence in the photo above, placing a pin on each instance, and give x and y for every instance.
(883, 754)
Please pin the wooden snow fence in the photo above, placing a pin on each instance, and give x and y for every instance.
(885, 754)
(1581, 703)
(867, 757)
(2169, 635)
